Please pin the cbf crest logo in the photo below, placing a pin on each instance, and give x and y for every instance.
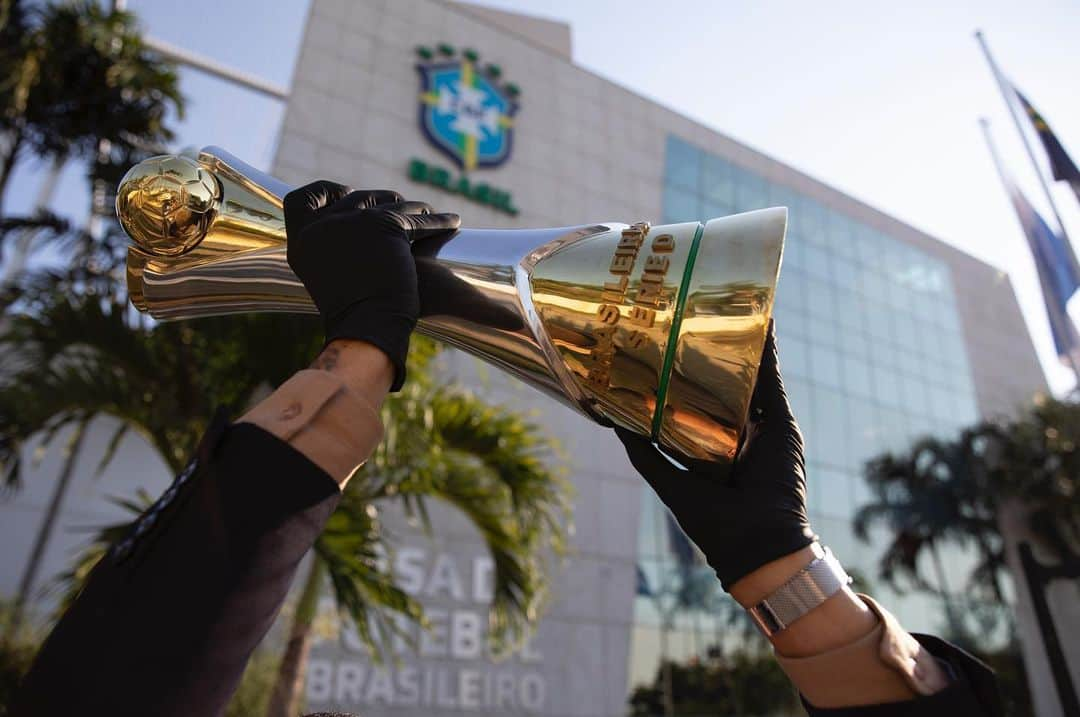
(465, 110)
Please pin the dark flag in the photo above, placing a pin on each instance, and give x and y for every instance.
(1057, 276)
(1061, 165)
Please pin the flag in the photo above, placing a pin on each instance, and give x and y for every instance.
(1057, 275)
(1062, 167)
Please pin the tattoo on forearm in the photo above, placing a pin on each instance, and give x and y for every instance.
(328, 359)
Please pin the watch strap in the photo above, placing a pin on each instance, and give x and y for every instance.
(807, 589)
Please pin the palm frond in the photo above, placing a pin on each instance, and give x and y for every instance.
(363, 586)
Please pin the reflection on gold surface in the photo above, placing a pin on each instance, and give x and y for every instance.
(720, 339)
(657, 329)
(611, 326)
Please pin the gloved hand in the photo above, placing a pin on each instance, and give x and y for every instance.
(755, 514)
(352, 252)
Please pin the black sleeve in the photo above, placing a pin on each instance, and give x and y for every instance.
(168, 619)
(973, 691)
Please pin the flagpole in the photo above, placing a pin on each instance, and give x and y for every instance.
(1006, 94)
(984, 124)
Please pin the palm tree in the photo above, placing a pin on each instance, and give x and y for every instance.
(952, 492)
(73, 74)
(74, 77)
(934, 494)
(76, 83)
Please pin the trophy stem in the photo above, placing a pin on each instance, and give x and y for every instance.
(656, 329)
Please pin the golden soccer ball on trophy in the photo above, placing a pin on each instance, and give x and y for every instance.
(166, 204)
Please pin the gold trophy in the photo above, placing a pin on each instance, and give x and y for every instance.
(658, 329)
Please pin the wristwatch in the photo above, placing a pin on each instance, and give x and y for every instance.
(811, 586)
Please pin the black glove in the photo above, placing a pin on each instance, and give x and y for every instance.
(755, 514)
(352, 251)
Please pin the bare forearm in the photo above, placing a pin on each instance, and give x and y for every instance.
(364, 368)
(838, 621)
(330, 412)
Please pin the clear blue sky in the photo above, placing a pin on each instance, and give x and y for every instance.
(877, 99)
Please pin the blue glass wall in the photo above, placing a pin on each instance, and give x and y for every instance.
(873, 358)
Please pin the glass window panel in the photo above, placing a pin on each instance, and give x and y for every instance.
(650, 536)
(895, 431)
(819, 299)
(966, 412)
(814, 438)
(717, 180)
(914, 392)
(941, 403)
(907, 361)
(790, 320)
(750, 191)
(925, 305)
(680, 205)
(856, 377)
(870, 248)
(846, 273)
(930, 340)
(941, 377)
(711, 209)
(938, 279)
(792, 288)
(814, 222)
(794, 254)
(794, 356)
(886, 387)
(781, 196)
(817, 263)
(813, 486)
(950, 321)
(796, 228)
(834, 493)
(798, 392)
(928, 369)
(882, 355)
(853, 343)
(952, 350)
(922, 336)
(682, 164)
(841, 234)
(864, 430)
(829, 421)
(838, 535)
(825, 366)
(860, 491)
(849, 313)
(821, 331)
(878, 323)
(905, 332)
